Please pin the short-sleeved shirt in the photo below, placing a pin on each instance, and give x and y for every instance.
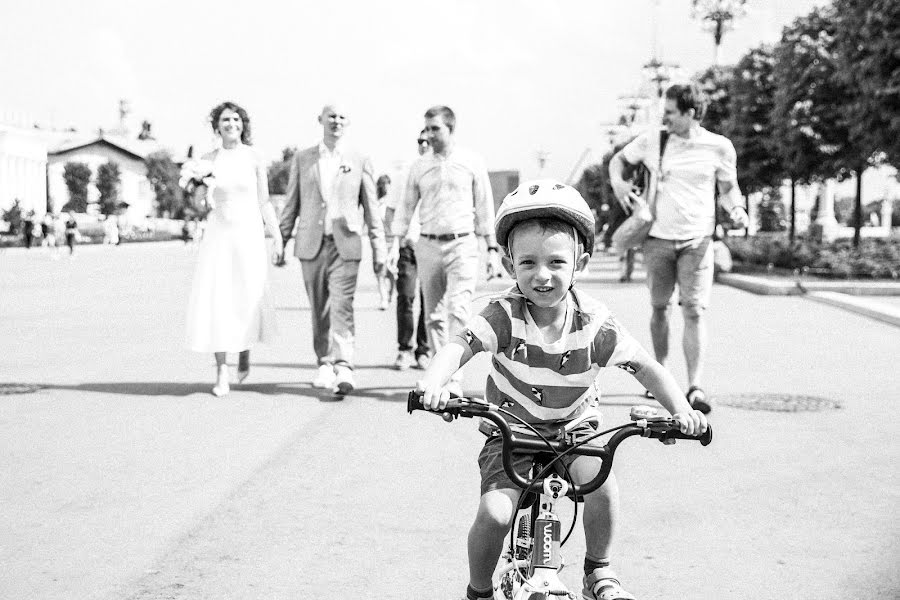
(547, 382)
(685, 198)
(455, 194)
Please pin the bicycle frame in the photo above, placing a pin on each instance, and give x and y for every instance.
(538, 552)
(539, 556)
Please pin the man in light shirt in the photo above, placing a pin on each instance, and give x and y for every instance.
(697, 166)
(402, 253)
(331, 195)
(451, 189)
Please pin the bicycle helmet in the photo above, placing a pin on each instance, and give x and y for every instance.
(545, 198)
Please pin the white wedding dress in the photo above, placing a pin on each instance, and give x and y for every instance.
(230, 307)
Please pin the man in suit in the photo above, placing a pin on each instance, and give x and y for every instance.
(331, 196)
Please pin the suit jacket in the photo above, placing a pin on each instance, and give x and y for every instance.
(354, 188)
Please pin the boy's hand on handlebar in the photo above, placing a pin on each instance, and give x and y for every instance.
(434, 396)
(691, 423)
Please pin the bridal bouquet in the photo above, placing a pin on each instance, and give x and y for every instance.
(196, 180)
(195, 173)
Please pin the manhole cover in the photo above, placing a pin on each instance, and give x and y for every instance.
(17, 388)
(778, 402)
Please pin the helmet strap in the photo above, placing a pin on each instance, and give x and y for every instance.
(574, 256)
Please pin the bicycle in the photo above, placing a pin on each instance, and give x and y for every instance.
(531, 562)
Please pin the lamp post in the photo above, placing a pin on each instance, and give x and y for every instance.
(718, 17)
(542, 157)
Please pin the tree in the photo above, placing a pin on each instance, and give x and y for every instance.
(715, 83)
(279, 171)
(867, 38)
(108, 179)
(811, 104)
(749, 122)
(163, 174)
(13, 216)
(77, 176)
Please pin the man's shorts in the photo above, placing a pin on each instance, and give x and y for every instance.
(689, 263)
(490, 461)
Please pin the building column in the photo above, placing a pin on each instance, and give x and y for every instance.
(826, 224)
(4, 179)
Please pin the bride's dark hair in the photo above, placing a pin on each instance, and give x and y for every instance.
(216, 112)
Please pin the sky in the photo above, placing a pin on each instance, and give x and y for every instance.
(523, 76)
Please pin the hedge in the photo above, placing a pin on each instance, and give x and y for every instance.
(874, 259)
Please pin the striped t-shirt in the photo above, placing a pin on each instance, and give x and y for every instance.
(543, 382)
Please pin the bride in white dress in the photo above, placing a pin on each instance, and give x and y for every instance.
(229, 307)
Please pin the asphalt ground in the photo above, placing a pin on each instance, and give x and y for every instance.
(124, 478)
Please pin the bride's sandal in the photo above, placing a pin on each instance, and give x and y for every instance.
(221, 388)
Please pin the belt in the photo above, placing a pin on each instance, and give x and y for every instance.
(445, 237)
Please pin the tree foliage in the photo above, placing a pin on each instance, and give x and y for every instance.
(715, 83)
(280, 171)
(163, 174)
(77, 176)
(749, 121)
(13, 216)
(867, 39)
(108, 179)
(811, 102)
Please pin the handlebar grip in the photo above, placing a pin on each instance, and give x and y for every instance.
(705, 439)
(412, 401)
(453, 405)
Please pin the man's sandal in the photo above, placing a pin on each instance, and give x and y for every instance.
(602, 584)
(698, 399)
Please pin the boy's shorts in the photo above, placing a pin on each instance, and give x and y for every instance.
(490, 461)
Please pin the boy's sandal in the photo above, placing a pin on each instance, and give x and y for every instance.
(698, 400)
(602, 584)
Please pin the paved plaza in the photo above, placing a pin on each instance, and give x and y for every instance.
(123, 478)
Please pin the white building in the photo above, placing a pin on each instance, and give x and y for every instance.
(135, 189)
(32, 160)
(23, 168)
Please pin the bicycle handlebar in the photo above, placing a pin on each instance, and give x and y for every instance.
(663, 429)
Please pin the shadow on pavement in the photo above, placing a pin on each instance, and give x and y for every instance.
(169, 388)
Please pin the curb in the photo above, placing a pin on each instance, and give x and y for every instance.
(759, 285)
(868, 308)
(852, 296)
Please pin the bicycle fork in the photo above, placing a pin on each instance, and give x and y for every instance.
(546, 560)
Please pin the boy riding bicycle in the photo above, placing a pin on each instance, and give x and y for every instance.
(548, 343)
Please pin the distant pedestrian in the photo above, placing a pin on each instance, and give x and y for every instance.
(59, 234)
(229, 308)
(386, 278)
(71, 233)
(331, 199)
(450, 186)
(694, 168)
(48, 231)
(111, 230)
(28, 229)
(402, 254)
(186, 231)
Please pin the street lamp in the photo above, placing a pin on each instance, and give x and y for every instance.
(660, 73)
(718, 16)
(542, 157)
